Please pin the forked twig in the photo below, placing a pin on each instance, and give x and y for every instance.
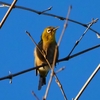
(59, 70)
(46, 10)
(77, 42)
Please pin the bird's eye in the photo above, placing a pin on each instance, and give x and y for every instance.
(48, 30)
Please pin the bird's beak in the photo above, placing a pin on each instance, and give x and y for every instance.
(56, 28)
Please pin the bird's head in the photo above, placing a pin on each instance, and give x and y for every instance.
(48, 34)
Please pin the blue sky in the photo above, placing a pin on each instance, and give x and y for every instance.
(16, 49)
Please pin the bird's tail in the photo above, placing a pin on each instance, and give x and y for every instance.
(42, 81)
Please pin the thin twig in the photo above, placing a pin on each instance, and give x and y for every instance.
(61, 87)
(51, 75)
(7, 13)
(49, 14)
(98, 36)
(43, 54)
(46, 10)
(59, 70)
(65, 25)
(35, 95)
(77, 42)
(87, 82)
(34, 42)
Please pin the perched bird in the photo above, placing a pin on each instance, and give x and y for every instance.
(46, 46)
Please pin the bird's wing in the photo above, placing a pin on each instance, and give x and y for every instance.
(40, 46)
(39, 59)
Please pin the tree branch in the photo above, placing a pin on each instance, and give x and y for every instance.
(60, 60)
(87, 82)
(7, 13)
(77, 42)
(48, 14)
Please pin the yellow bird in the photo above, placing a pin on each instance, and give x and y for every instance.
(46, 45)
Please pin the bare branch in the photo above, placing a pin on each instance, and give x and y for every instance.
(45, 10)
(59, 70)
(7, 13)
(87, 82)
(77, 42)
(60, 60)
(10, 76)
(61, 87)
(65, 25)
(79, 53)
(34, 42)
(43, 54)
(48, 14)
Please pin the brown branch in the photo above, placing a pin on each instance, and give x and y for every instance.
(34, 42)
(65, 26)
(60, 86)
(7, 13)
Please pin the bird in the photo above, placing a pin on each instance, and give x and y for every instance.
(46, 46)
